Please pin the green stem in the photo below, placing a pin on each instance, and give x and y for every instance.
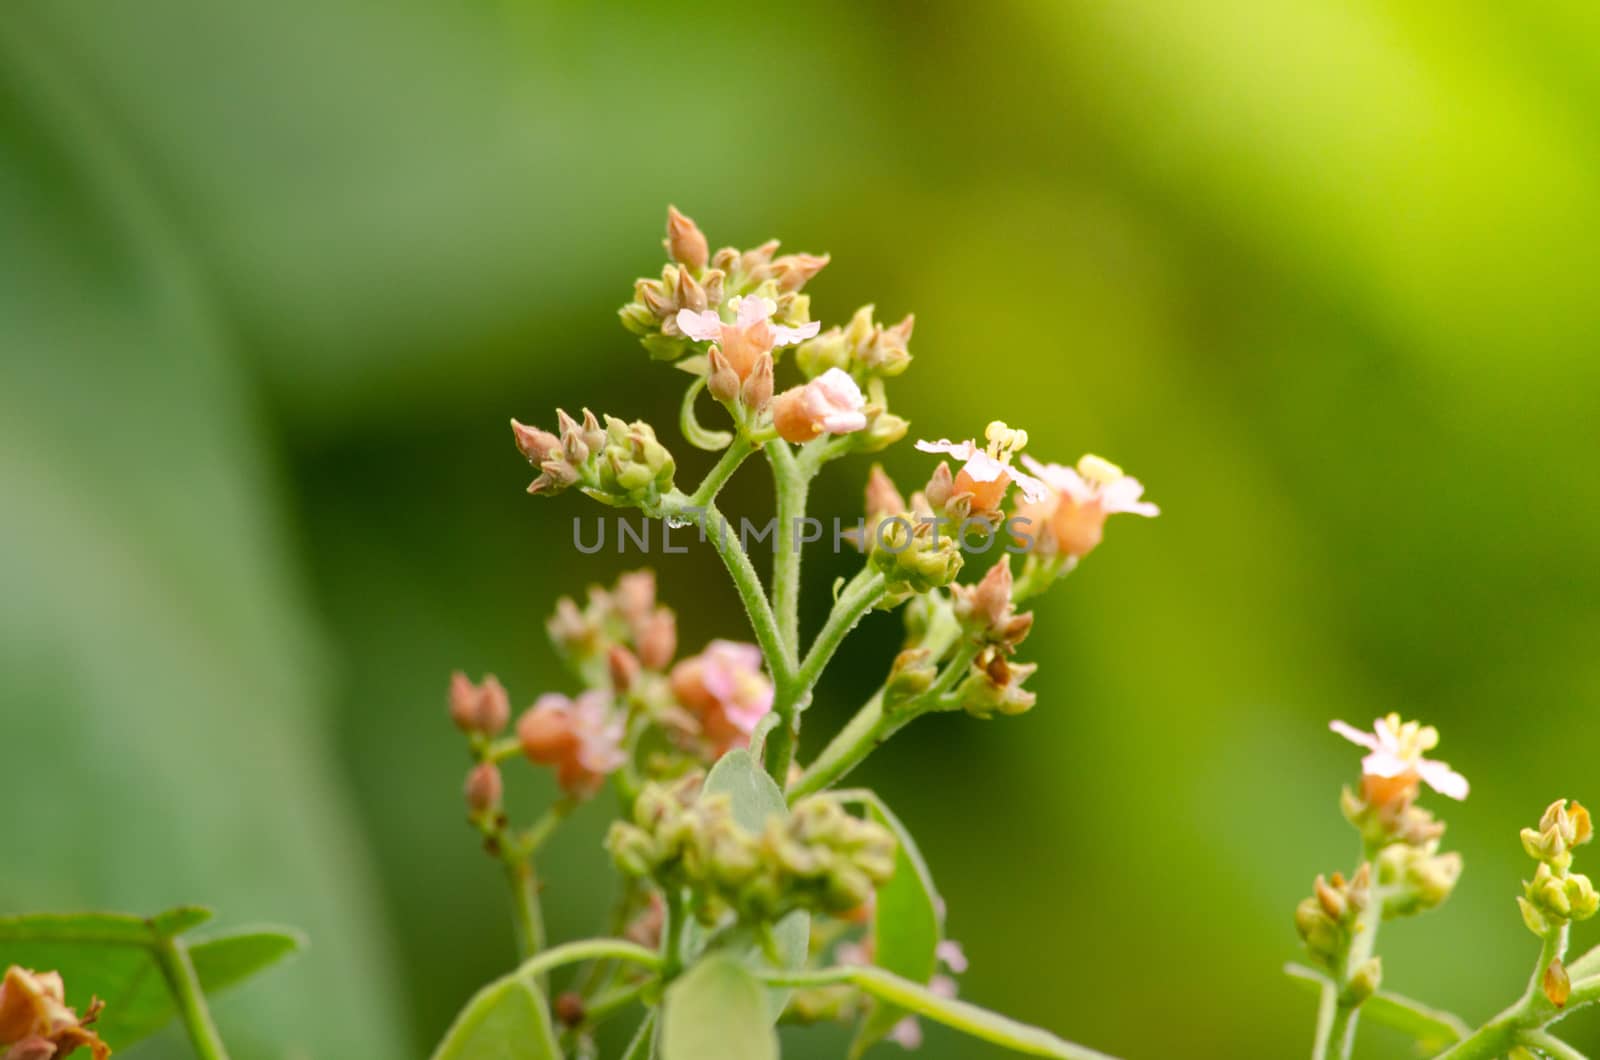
(643, 1039)
(860, 595)
(587, 950)
(1327, 1005)
(872, 725)
(1531, 1012)
(721, 472)
(671, 958)
(527, 919)
(792, 485)
(178, 970)
(610, 1003)
(745, 580)
(1549, 1045)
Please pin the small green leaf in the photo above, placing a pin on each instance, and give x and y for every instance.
(698, 436)
(1433, 1029)
(717, 1011)
(755, 798)
(112, 956)
(506, 1020)
(905, 923)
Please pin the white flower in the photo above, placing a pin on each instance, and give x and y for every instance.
(1397, 750)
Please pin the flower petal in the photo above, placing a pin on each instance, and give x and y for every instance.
(753, 309)
(1441, 778)
(704, 326)
(959, 450)
(1123, 496)
(1031, 487)
(1355, 735)
(783, 335)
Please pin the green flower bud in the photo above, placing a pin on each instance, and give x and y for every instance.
(1363, 982)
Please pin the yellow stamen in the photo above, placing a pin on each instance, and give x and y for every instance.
(1098, 470)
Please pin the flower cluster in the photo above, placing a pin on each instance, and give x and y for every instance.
(819, 859)
(1556, 895)
(645, 723)
(37, 1024)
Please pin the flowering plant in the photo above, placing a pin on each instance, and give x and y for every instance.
(755, 890)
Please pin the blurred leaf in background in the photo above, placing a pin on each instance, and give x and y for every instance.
(1323, 275)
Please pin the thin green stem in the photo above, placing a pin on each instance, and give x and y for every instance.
(677, 916)
(1531, 1012)
(178, 970)
(860, 595)
(610, 1003)
(527, 918)
(715, 527)
(1549, 1045)
(721, 472)
(1327, 1006)
(643, 1039)
(792, 484)
(587, 950)
(872, 724)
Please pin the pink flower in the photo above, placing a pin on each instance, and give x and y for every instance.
(582, 738)
(831, 403)
(726, 690)
(750, 335)
(1391, 771)
(907, 1034)
(954, 957)
(987, 472)
(1071, 519)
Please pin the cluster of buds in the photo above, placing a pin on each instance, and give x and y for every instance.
(863, 348)
(1327, 920)
(581, 738)
(621, 463)
(989, 615)
(820, 859)
(697, 281)
(622, 631)
(479, 709)
(1556, 894)
(911, 553)
(1415, 877)
(37, 1024)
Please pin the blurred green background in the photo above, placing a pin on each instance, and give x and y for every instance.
(1323, 274)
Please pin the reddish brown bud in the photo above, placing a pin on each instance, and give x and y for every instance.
(793, 271)
(685, 242)
(992, 599)
(940, 487)
(484, 789)
(722, 380)
(569, 1008)
(545, 734)
(756, 393)
(635, 596)
(657, 640)
(535, 445)
(882, 496)
(481, 708)
(690, 294)
(623, 666)
(1557, 984)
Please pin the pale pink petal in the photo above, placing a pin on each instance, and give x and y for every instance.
(1355, 735)
(1441, 778)
(783, 335)
(954, 957)
(942, 986)
(959, 450)
(1123, 496)
(907, 1034)
(704, 326)
(1385, 763)
(981, 467)
(552, 699)
(1031, 487)
(753, 309)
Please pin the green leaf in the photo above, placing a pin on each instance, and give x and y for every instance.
(717, 1011)
(506, 1020)
(698, 436)
(113, 956)
(905, 924)
(1433, 1029)
(755, 798)
(961, 1015)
